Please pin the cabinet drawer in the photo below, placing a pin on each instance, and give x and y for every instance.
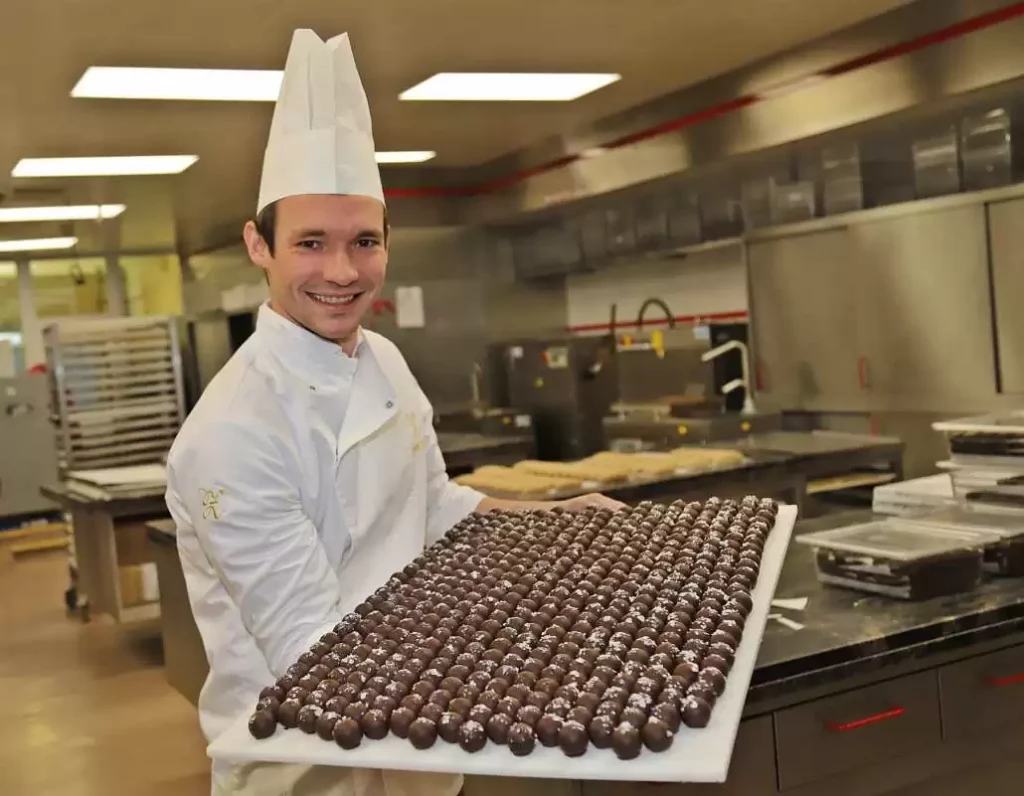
(981, 693)
(752, 770)
(855, 729)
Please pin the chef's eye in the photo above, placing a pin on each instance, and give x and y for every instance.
(313, 245)
(367, 243)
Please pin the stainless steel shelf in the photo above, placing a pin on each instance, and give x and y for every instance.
(117, 389)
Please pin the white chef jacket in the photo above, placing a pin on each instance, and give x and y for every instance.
(299, 483)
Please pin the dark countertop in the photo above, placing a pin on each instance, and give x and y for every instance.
(848, 633)
(804, 444)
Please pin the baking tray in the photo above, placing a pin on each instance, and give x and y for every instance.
(696, 755)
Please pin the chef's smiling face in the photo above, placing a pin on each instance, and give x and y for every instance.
(326, 262)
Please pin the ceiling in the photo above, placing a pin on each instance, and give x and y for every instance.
(657, 46)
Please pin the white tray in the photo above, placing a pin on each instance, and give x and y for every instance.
(695, 756)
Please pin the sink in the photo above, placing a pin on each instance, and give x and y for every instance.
(693, 429)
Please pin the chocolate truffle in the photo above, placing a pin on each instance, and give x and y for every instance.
(401, 720)
(262, 724)
(448, 727)
(423, 733)
(347, 733)
(521, 739)
(472, 736)
(626, 741)
(573, 739)
(657, 736)
(288, 713)
(498, 727)
(696, 713)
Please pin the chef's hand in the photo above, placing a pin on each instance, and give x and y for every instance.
(583, 502)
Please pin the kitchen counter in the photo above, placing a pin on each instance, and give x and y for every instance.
(850, 634)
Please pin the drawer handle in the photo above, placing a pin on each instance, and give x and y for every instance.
(999, 682)
(895, 713)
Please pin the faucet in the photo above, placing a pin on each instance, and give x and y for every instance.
(735, 384)
(662, 306)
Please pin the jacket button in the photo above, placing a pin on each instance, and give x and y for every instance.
(390, 404)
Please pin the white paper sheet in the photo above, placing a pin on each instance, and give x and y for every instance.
(409, 307)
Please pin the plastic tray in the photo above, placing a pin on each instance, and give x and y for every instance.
(1003, 556)
(899, 559)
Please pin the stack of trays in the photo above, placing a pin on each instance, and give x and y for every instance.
(986, 459)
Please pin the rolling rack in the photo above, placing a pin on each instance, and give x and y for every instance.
(117, 397)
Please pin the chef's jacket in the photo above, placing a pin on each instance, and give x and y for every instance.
(299, 483)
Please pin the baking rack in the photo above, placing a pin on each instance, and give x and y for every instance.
(117, 389)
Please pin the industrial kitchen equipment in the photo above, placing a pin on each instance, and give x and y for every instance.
(116, 389)
(27, 440)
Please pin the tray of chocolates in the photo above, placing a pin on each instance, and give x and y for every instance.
(626, 640)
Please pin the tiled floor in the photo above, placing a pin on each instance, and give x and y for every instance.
(85, 709)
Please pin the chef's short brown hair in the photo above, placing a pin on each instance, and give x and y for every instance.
(266, 225)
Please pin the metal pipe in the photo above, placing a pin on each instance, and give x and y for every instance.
(662, 305)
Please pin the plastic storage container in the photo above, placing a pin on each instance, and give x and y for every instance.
(1003, 555)
(899, 559)
(985, 439)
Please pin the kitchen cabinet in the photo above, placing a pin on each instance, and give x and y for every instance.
(803, 320)
(885, 315)
(1006, 239)
(924, 322)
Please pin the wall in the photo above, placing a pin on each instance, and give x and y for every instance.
(704, 283)
(153, 285)
(56, 292)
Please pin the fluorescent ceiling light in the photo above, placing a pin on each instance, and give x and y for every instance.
(36, 244)
(405, 157)
(60, 213)
(130, 82)
(511, 87)
(103, 167)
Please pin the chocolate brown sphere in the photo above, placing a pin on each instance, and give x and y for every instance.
(262, 724)
(521, 739)
(347, 733)
(626, 741)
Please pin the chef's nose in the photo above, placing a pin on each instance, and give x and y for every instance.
(339, 268)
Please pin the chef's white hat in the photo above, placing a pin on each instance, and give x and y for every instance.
(321, 138)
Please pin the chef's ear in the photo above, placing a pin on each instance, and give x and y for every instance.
(257, 246)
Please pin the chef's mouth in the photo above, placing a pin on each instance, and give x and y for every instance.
(333, 300)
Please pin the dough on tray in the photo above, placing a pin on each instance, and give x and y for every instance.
(706, 458)
(584, 470)
(512, 481)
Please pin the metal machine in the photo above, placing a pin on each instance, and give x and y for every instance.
(28, 449)
(567, 386)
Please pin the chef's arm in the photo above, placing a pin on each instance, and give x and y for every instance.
(237, 494)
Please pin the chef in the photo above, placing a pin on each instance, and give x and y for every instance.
(309, 471)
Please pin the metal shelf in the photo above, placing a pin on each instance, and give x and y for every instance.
(117, 389)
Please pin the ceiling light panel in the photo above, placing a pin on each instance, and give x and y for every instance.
(60, 213)
(224, 85)
(507, 86)
(405, 157)
(103, 166)
(37, 244)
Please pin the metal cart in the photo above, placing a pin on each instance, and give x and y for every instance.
(117, 396)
